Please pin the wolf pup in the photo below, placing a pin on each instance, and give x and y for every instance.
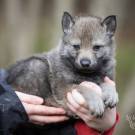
(86, 53)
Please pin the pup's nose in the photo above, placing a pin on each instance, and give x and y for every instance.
(85, 62)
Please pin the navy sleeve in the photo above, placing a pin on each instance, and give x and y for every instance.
(14, 120)
(12, 112)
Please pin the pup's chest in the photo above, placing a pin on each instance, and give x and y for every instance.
(68, 77)
(78, 78)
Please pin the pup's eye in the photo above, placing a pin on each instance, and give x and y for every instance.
(97, 47)
(77, 46)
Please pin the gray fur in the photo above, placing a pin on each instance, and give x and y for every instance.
(53, 74)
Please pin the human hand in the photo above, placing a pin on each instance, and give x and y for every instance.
(38, 113)
(78, 105)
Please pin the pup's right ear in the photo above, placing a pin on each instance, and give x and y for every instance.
(111, 23)
(67, 22)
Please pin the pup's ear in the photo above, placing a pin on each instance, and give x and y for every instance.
(110, 24)
(67, 22)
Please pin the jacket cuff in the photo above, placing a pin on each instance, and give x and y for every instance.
(82, 129)
(12, 112)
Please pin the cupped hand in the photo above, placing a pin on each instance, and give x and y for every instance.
(38, 113)
(78, 105)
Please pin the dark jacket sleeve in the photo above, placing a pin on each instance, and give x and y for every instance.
(12, 111)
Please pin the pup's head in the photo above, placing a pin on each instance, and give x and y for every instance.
(87, 41)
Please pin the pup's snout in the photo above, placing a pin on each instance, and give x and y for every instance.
(85, 62)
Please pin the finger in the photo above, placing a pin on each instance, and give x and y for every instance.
(47, 119)
(86, 84)
(72, 101)
(78, 98)
(74, 104)
(76, 110)
(84, 115)
(89, 84)
(92, 86)
(108, 80)
(42, 110)
(31, 99)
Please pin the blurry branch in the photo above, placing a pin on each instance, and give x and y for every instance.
(21, 26)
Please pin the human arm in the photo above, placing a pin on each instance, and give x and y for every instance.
(12, 112)
(17, 108)
(79, 106)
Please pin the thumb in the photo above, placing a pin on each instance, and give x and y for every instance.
(30, 99)
(108, 80)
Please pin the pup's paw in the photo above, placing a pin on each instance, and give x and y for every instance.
(93, 96)
(96, 106)
(111, 100)
(110, 96)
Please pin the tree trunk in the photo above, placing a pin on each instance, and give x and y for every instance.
(21, 27)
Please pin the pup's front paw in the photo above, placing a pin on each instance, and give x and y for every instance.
(110, 95)
(93, 96)
(96, 106)
(111, 100)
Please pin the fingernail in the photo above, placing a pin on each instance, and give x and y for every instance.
(78, 97)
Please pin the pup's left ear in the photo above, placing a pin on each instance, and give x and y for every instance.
(110, 23)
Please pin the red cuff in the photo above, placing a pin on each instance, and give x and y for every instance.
(83, 129)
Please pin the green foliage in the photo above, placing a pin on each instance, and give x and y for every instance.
(125, 65)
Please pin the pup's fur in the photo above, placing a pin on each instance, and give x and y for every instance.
(86, 53)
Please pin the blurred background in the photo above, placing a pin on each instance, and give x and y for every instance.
(33, 26)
